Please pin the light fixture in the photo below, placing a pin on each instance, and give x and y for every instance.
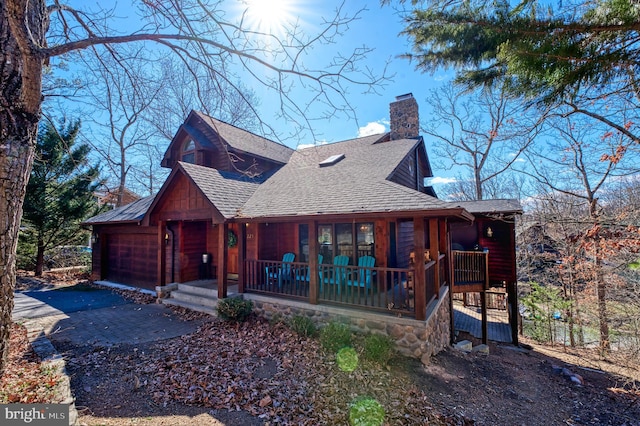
(489, 232)
(94, 238)
(166, 238)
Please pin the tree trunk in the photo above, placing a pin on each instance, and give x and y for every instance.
(40, 258)
(21, 87)
(601, 289)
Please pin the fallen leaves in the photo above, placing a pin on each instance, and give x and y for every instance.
(25, 379)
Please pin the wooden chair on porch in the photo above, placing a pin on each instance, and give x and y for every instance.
(335, 274)
(363, 274)
(302, 274)
(282, 273)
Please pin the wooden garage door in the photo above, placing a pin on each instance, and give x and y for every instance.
(132, 259)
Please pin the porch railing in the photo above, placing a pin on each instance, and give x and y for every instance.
(377, 289)
(470, 271)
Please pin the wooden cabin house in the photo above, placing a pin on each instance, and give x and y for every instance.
(333, 228)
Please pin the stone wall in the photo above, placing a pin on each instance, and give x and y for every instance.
(417, 339)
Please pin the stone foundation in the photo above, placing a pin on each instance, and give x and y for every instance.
(417, 339)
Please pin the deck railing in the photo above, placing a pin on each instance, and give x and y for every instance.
(470, 271)
(377, 289)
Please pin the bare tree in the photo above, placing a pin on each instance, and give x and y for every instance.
(34, 33)
(579, 164)
(483, 132)
(185, 87)
(120, 97)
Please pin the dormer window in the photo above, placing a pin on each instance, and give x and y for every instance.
(189, 152)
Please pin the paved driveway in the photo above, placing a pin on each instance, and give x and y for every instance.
(97, 317)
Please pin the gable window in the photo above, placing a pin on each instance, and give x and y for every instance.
(189, 152)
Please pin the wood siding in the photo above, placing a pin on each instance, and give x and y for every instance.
(276, 239)
(405, 173)
(131, 258)
(217, 154)
(183, 201)
(193, 243)
(502, 249)
(404, 245)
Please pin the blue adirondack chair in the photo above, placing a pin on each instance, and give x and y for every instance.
(303, 274)
(364, 275)
(281, 273)
(336, 274)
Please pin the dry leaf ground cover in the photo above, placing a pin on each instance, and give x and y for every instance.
(261, 373)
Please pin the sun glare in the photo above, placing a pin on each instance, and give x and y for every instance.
(269, 16)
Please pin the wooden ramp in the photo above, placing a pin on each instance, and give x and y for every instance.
(469, 319)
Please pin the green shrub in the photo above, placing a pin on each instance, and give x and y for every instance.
(335, 336)
(234, 309)
(378, 348)
(366, 412)
(347, 359)
(302, 325)
(276, 319)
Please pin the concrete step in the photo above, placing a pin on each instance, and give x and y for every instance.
(194, 298)
(199, 289)
(193, 306)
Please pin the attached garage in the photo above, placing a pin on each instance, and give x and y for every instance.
(132, 259)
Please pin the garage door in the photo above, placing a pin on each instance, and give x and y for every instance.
(132, 259)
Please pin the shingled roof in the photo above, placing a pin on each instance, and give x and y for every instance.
(356, 183)
(227, 191)
(497, 206)
(245, 141)
(133, 212)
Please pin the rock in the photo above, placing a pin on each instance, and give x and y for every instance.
(576, 378)
(265, 401)
(483, 349)
(464, 346)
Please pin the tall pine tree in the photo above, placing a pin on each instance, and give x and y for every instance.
(60, 192)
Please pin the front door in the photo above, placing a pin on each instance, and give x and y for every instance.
(232, 250)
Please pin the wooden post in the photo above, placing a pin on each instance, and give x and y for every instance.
(180, 252)
(434, 245)
(420, 291)
(162, 253)
(514, 314)
(223, 239)
(314, 267)
(242, 254)
(483, 309)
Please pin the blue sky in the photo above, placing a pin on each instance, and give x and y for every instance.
(379, 27)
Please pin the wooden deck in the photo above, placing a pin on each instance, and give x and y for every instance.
(469, 319)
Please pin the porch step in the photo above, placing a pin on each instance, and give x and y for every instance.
(192, 306)
(204, 289)
(194, 298)
(197, 296)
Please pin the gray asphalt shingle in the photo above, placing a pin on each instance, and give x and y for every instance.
(225, 190)
(355, 184)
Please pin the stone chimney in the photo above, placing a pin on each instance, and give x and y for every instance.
(404, 117)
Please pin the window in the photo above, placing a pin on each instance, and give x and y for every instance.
(338, 239)
(189, 152)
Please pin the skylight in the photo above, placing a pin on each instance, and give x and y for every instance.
(331, 160)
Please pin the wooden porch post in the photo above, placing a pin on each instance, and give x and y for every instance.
(419, 275)
(162, 253)
(434, 245)
(314, 287)
(483, 310)
(242, 254)
(180, 251)
(223, 239)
